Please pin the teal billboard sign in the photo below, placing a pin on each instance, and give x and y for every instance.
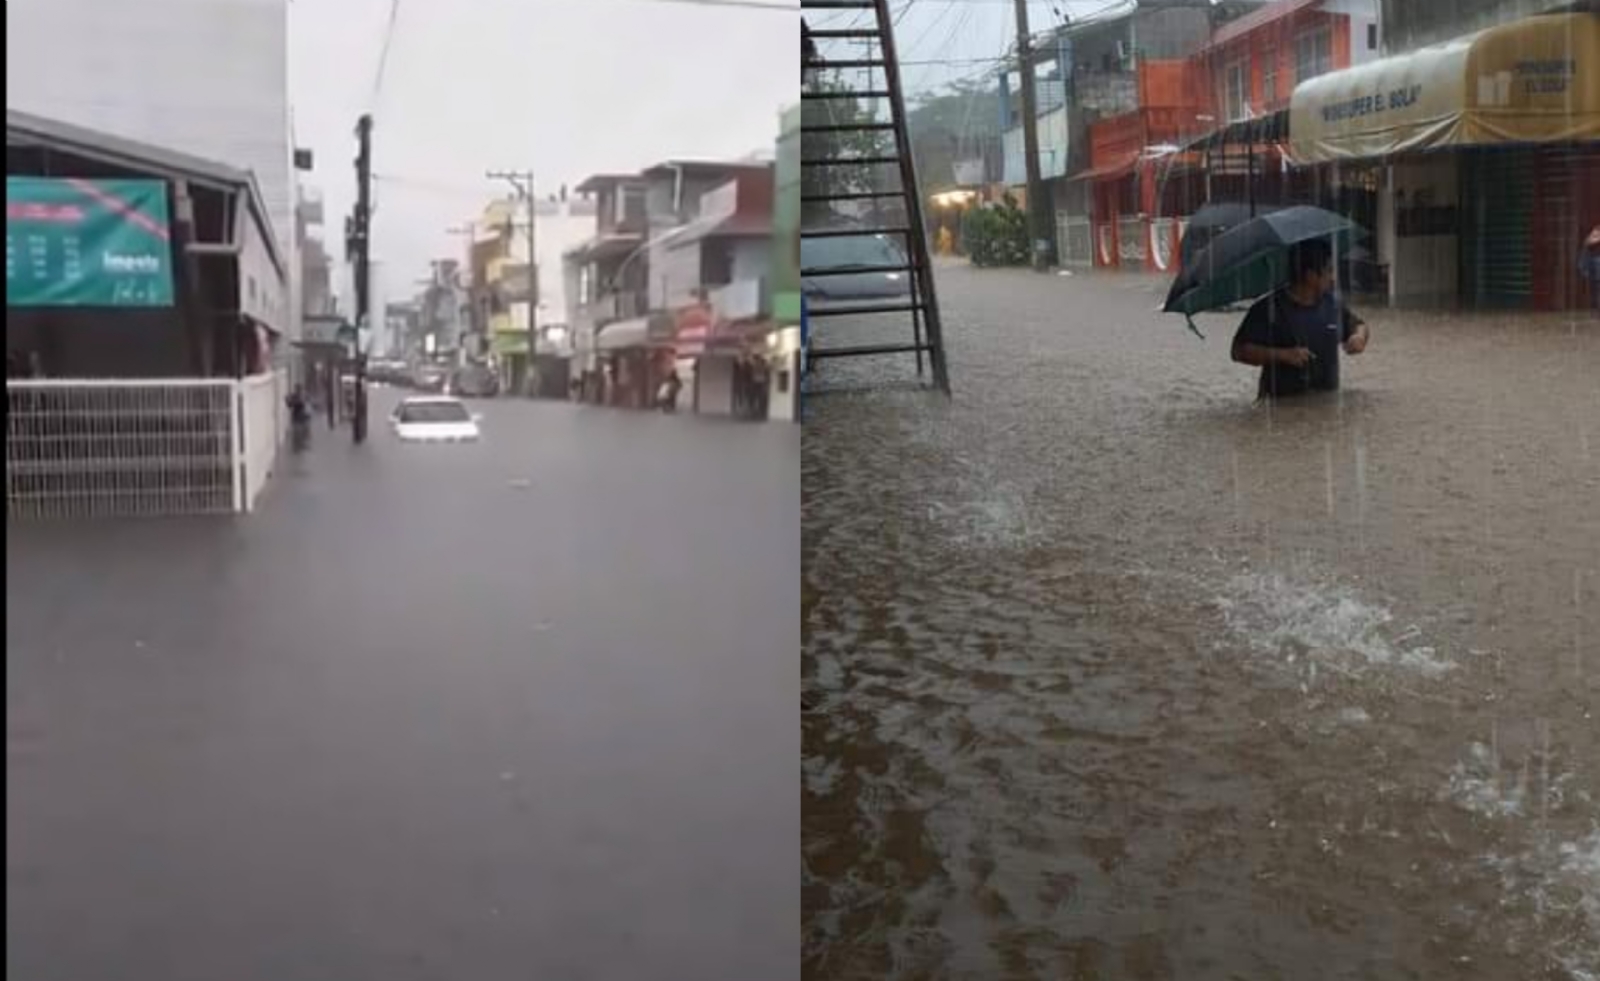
(74, 242)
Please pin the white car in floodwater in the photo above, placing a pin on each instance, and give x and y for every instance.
(434, 419)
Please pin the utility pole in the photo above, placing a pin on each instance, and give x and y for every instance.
(360, 247)
(1038, 205)
(522, 182)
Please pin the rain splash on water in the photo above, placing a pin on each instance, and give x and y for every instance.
(1111, 672)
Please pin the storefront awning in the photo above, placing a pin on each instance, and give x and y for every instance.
(1536, 80)
(1243, 134)
(655, 331)
(610, 245)
(624, 334)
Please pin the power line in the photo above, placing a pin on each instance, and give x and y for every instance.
(787, 8)
(383, 53)
(955, 62)
(437, 186)
(950, 39)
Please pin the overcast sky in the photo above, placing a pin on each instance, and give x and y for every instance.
(940, 41)
(565, 88)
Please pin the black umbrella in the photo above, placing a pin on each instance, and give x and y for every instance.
(1211, 220)
(1222, 215)
(1251, 259)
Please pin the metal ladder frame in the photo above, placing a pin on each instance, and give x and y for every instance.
(924, 305)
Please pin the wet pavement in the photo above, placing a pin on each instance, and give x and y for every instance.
(524, 709)
(1112, 674)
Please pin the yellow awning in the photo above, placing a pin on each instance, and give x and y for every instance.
(1532, 81)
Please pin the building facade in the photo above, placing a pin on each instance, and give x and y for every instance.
(1167, 109)
(318, 298)
(1482, 151)
(605, 278)
(205, 77)
(1412, 24)
(1088, 72)
(653, 253)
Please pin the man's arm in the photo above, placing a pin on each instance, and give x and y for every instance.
(1260, 355)
(1356, 334)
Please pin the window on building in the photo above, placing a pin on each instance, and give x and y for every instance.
(1372, 37)
(1269, 77)
(716, 263)
(1236, 91)
(631, 205)
(1313, 53)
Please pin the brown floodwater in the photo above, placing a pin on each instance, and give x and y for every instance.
(1111, 673)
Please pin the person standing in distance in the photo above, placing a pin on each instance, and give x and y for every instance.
(1589, 266)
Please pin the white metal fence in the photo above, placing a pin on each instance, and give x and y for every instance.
(261, 425)
(1133, 245)
(1075, 239)
(1161, 243)
(93, 448)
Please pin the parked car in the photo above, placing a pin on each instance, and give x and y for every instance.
(473, 381)
(434, 419)
(430, 378)
(861, 272)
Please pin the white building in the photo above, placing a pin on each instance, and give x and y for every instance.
(205, 77)
(563, 226)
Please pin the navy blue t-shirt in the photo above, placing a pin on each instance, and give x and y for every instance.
(1276, 320)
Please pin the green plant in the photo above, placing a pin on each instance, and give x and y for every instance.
(997, 235)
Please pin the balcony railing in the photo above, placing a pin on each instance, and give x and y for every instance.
(1106, 93)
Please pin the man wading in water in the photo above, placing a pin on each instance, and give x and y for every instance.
(1294, 335)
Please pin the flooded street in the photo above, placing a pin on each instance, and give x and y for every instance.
(434, 711)
(1111, 673)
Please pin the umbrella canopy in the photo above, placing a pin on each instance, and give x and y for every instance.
(1222, 215)
(1212, 220)
(1251, 259)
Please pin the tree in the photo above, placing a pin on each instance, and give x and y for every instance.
(997, 235)
(958, 123)
(828, 169)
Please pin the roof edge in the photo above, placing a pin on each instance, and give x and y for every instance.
(25, 128)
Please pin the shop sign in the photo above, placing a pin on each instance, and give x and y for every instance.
(87, 243)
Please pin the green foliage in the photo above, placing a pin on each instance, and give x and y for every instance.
(997, 235)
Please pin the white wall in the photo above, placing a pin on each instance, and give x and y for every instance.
(1363, 14)
(783, 406)
(752, 259)
(206, 77)
(263, 287)
(1052, 149)
(559, 230)
(674, 274)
